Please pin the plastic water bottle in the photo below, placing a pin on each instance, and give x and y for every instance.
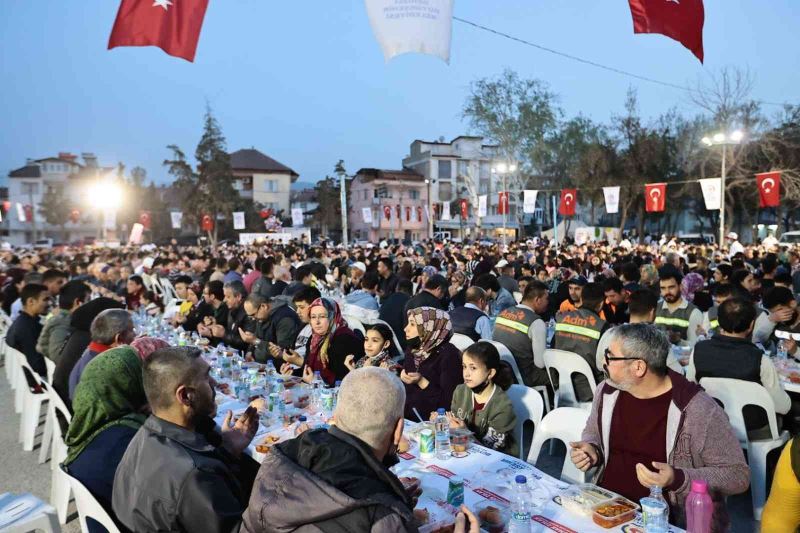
(271, 368)
(316, 389)
(551, 331)
(655, 511)
(520, 510)
(699, 508)
(442, 435)
(335, 392)
(783, 353)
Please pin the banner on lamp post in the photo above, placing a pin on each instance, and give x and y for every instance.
(110, 219)
(654, 196)
(446, 211)
(482, 205)
(529, 201)
(297, 217)
(464, 209)
(712, 193)
(569, 197)
(366, 215)
(238, 220)
(502, 203)
(401, 26)
(21, 213)
(136, 234)
(611, 195)
(176, 217)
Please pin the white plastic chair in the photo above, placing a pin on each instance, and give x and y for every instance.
(24, 513)
(88, 507)
(566, 364)
(735, 394)
(460, 341)
(31, 406)
(48, 423)
(59, 484)
(565, 424)
(355, 324)
(169, 295)
(518, 296)
(508, 357)
(527, 406)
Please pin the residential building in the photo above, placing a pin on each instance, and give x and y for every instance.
(400, 194)
(462, 169)
(306, 200)
(63, 174)
(260, 178)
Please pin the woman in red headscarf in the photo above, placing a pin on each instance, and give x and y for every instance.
(330, 343)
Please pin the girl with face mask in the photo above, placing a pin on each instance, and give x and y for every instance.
(481, 404)
(377, 349)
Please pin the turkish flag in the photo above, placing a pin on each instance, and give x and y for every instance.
(399, 213)
(207, 223)
(419, 213)
(464, 209)
(681, 20)
(172, 25)
(387, 212)
(569, 197)
(144, 219)
(502, 204)
(28, 213)
(654, 194)
(769, 189)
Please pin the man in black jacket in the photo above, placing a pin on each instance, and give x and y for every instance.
(432, 294)
(178, 474)
(24, 332)
(237, 318)
(275, 322)
(342, 473)
(393, 310)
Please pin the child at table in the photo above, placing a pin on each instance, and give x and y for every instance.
(377, 349)
(480, 404)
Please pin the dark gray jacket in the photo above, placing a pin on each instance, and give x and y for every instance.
(173, 479)
(326, 481)
(281, 327)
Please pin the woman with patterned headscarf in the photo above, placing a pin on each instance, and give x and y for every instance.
(330, 343)
(108, 411)
(432, 366)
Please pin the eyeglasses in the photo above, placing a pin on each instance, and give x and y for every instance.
(317, 317)
(609, 359)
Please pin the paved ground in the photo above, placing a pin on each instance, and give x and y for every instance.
(21, 472)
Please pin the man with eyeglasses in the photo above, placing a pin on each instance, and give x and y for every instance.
(641, 406)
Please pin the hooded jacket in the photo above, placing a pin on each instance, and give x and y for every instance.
(363, 299)
(700, 444)
(78, 340)
(326, 481)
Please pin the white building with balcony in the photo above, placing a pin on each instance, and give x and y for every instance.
(400, 194)
(462, 169)
(263, 180)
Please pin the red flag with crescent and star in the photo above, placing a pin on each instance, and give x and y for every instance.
(387, 212)
(769, 189)
(172, 25)
(654, 195)
(502, 203)
(464, 209)
(207, 223)
(681, 20)
(569, 197)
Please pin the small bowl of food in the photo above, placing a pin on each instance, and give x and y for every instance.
(493, 516)
(459, 442)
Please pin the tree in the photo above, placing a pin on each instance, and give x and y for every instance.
(56, 207)
(329, 212)
(207, 189)
(519, 115)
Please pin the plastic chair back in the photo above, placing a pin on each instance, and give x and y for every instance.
(565, 424)
(460, 341)
(528, 406)
(88, 507)
(566, 364)
(508, 357)
(734, 395)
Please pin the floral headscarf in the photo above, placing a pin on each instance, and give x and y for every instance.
(320, 343)
(649, 274)
(692, 283)
(434, 328)
(144, 346)
(110, 392)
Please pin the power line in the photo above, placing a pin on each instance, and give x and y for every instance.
(590, 62)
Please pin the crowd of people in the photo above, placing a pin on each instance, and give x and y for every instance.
(651, 320)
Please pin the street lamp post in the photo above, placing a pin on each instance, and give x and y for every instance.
(430, 211)
(723, 140)
(343, 200)
(504, 169)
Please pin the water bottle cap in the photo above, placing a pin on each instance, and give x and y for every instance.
(440, 410)
(280, 380)
(338, 383)
(302, 418)
(521, 479)
(699, 485)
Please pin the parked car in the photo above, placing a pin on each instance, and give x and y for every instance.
(789, 238)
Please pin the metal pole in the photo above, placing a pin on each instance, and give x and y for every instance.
(505, 207)
(343, 200)
(430, 212)
(555, 222)
(722, 198)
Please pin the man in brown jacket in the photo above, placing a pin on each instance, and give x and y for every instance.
(643, 405)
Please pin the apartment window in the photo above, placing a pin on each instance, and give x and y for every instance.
(30, 188)
(445, 170)
(445, 192)
(486, 170)
(247, 183)
(271, 186)
(413, 194)
(382, 192)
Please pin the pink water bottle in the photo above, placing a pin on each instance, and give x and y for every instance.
(699, 508)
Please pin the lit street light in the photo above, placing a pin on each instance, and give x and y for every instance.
(723, 140)
(504, 169)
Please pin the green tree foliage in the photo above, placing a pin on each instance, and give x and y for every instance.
(206, 188)
(56, 207)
